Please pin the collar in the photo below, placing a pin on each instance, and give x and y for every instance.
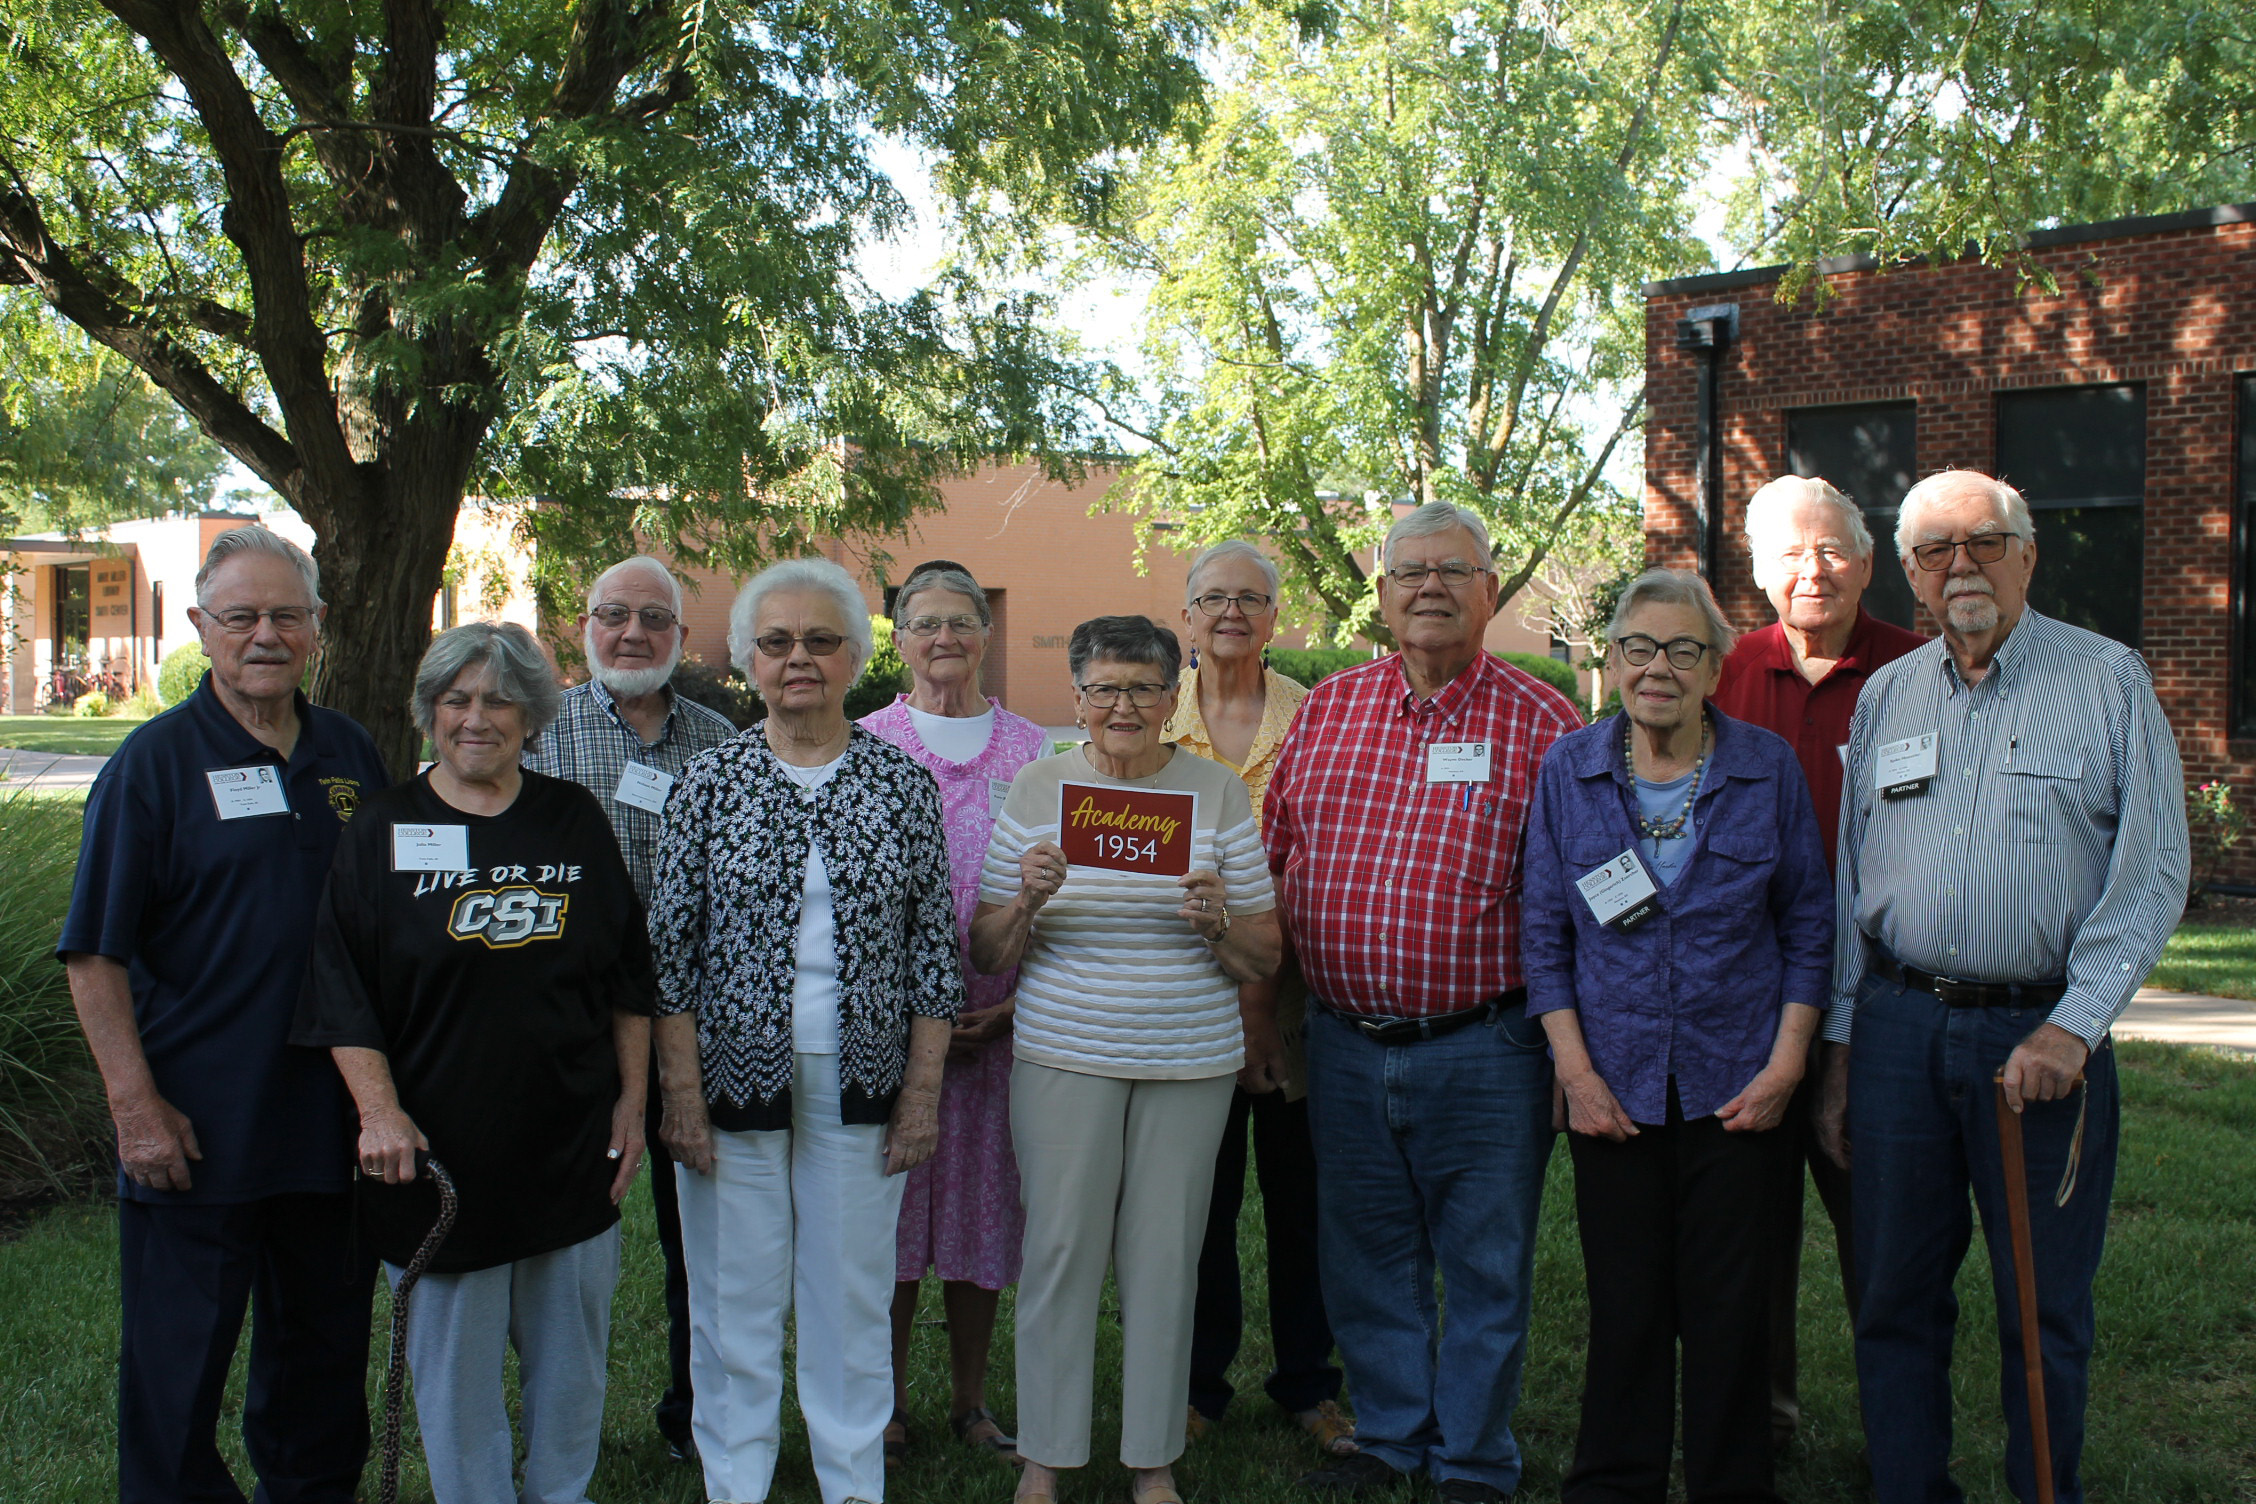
(1773, 651)
(1596, 752)
(610, 704)
(1451, 700)
(2004, 663)
(234, 738)
(1187, 726)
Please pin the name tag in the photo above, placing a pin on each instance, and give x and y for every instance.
(1621, 893)
(240, 793)
(998, 790)
(1457, 762)
(1905, 767)
(643, 787)
(430, 848)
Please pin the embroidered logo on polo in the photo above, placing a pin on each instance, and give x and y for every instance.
(505, 918)
(344, 796)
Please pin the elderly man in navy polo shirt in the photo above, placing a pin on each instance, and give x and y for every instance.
(208, 838)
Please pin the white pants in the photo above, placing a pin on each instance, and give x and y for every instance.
(800, 1220)
(555, 1309)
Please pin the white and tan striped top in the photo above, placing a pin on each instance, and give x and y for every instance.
(1113, 982)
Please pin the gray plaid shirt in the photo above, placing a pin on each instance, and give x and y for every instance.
(591, 744)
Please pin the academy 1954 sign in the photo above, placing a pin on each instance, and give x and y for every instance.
(1126, 830)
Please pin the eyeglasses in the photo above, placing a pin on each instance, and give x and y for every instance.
(242, 619)
(1637, 650)
(929, 626)
(1252, 603)
(1453, 572)
(654, 618)
(780, 644)
(1982, 548)
(1105, 696)
(1828, 558)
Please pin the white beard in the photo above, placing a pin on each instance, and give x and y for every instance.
(630, 683)
(1972, 610)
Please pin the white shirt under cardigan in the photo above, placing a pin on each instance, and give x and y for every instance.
(814, 990)
(1114, 982)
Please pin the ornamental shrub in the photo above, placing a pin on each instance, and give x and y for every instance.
(54, 1128)
(180, 673)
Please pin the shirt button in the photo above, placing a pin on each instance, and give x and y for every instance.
(1954, 950)
(1970, 772)
(1950, 892)
(1958, 830)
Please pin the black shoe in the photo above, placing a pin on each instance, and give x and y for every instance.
(1352, 1476)
(682, 1451)
(1469, 1491)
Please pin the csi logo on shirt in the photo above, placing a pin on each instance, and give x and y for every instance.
(505, 918)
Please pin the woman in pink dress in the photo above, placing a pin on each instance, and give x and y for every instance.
(960, 1214)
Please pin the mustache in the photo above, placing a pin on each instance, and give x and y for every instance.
(1972, 584)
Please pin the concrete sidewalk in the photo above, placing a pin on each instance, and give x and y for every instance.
(2190, 1018)
(46, 772)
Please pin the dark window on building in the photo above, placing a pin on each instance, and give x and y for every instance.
(1871, 452)
(2078, 456)
(2244, 560)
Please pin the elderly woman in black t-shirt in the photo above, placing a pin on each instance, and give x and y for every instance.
(481, 975)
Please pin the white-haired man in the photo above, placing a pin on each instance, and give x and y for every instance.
(1800, 677)
(626, 736)
(2013, 858)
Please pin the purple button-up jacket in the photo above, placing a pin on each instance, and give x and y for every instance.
(1695, 992)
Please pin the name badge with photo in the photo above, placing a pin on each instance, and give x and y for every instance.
(1457, 762)
(1621, 894)
(1126, 830)
(240, 793)
(1905, 767)
(643, 787)
(430, 848)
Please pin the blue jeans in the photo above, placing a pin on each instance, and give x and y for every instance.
(1922, 1130)
(1431, 1156)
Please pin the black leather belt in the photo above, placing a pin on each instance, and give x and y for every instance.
(1380, 1030)
(1953, 993)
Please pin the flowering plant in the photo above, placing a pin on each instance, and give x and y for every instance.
(2216, 823)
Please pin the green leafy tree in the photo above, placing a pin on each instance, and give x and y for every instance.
(598, 252)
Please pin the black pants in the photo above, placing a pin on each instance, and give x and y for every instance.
(1676, 1242)
(186, 1275)
(674, 1406)
(1832, 1184)
(1285, 1163)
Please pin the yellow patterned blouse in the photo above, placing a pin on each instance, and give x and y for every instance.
(1280, 697)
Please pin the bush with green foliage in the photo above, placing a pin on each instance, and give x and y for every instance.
(141, 704)
(54, 1128)
(91, 706)
(1560, 676)
(725, 690)
(1307, 665)
(180, 673)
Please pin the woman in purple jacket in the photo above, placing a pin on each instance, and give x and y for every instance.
(1678, 942)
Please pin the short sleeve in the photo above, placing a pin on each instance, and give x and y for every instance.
(998, 875)
(116, 864)
(337, 1005)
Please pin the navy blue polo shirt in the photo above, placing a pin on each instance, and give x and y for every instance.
(213, 918)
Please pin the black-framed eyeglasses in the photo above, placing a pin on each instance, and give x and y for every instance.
(654, 618)
(780, 644)
(1453, 572)
(1637, 650)
(1105, 696)
(239, 620)
(1982, 548)
(929, 626)
(1251, 602)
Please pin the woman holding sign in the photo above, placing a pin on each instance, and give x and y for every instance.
(1126, 882)
(1678, 932)
(481, 975)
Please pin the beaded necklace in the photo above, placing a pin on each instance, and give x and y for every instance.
(1668, 830)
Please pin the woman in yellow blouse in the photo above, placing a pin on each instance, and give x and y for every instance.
(1234, 709)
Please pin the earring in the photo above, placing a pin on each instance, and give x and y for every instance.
(1265, 660)
(1194, 657)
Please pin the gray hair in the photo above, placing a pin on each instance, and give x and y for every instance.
(1438, 517)
(941, 577)
(252, 538)
(1230, 548)
(1125, 639)
(521, 672)
(1675, 587)
(1789, 491)
(648, 565)
(819, 575)
(1940, 485)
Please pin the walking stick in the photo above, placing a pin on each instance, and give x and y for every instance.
(2025, 1283)
(395, 1369)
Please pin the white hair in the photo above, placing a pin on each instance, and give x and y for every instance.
(1768, 506)
(255, 539)
(1675, 587)
(521, 672)
(1940, 487)
(644, 563)
(630, 683)
(802, 574)
(1230, 548)
(1438, 517)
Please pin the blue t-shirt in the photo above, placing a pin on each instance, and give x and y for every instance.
(1660, 803)
(213, 919)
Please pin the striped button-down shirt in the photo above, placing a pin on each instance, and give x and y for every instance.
(591, 744)
(1403, 895)
(2050, 844)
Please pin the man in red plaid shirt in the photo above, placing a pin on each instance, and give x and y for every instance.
(1393, 824)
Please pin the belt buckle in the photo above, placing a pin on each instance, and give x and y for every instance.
(1954, 992)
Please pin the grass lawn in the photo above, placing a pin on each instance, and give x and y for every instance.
(96, 736)
(2216, 956)
(2174, 1383)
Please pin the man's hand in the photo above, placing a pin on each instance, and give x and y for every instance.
(626, 1144)
(1831, 1114)
(1264, 1069)
(155, 1142)
(2044, 1067)
(1592, 1108)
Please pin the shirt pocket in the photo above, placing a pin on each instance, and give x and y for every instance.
(1733, 886)
(2040, 791)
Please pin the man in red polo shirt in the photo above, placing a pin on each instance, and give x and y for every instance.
(1800, 677)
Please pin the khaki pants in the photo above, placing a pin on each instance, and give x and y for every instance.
(1112, 1172)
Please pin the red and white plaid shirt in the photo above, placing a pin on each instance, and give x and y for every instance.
(1403, 896)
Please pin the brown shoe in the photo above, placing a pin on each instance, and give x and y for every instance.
(1334, 1432)
(897, 1439)
(1196, 1426)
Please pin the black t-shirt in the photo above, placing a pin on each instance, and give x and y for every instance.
(491, 991)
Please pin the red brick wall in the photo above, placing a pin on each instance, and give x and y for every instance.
(2174, 309)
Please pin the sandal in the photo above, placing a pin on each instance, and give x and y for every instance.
(997, 1441)
(898, 1438)
(1334, 1432)
(1158, 1493)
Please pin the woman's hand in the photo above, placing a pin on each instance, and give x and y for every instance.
(626, 1144)
(1832, 1112)
(974, 1031)
(1761, 1104)
(914, 1131)
(1041, 872)
(686, 1130)
(388, 1141)
(1591, 1108)
(1206, 907)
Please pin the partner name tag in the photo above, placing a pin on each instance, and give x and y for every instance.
(643, 787)
(998, 790)
(1907, 766)
(1457, 762)
(430, 848)
(240, 793)
(1126, 830)
(1621, 893)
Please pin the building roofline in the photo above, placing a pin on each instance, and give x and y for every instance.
(2035, 240)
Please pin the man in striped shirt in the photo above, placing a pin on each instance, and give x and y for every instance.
(2013, 858)
(1393, 822)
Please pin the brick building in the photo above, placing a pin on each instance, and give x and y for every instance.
(2122, 405)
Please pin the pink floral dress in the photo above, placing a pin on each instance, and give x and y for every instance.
(960, 1215)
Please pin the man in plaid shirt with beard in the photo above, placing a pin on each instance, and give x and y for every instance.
(1393, 822)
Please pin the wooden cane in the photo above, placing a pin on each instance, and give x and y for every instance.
(2025, 1283)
